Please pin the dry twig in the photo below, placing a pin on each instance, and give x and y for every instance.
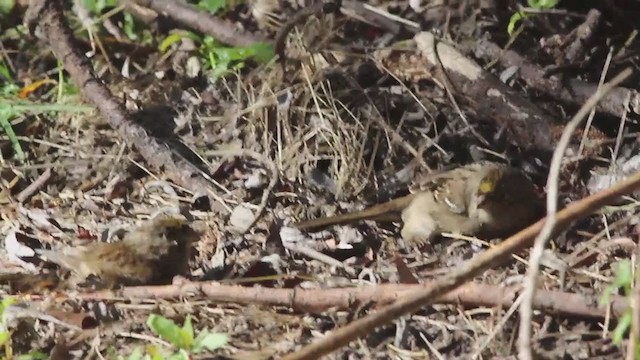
(573, 91)
(190, 16)
(318, 300)
(526, 309)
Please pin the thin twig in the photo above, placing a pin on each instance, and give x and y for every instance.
(526, 309)
(342, 297)
(592, 113)
(34, 186)
(498, 328)
(317, 255)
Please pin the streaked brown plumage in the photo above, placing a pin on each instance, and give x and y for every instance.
(152, 253)
(480, 198)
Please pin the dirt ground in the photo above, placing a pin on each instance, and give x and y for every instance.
(135, 128)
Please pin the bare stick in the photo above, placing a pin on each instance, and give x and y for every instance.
(34, 186)
(524, 339)
(342, 298)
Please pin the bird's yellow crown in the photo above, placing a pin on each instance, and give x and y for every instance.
(489, 182)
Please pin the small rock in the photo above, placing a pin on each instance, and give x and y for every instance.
(241, 218)
(253, 181)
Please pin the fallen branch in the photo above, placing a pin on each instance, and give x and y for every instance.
(318, 300)
(189, 16)
(571, 91)
(483, 94)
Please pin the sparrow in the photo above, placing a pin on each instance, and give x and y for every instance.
(484, 198)
(151, 254)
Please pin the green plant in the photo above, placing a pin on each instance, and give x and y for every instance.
(212, 6)
(5, 74)
(181, 337)
(623, 280)
(520, 15)
(97, 6)
(6, 6)
(218, 58)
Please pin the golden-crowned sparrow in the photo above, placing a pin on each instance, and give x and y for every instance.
(482, 198)
(152, 253)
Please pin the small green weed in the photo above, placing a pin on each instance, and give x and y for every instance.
(535, 4)
(623, 279)
(182, 337)
(6, 6)
(218, 58)
(212, 6)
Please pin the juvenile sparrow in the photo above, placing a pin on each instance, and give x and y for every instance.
(152, 253)
(483, 198)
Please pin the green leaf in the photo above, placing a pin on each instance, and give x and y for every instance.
(4, 337)
(623, 325)
(129, 27)
(153, 352)
(97, 6)
(187, 333)
(34, 355)
(6, 302)
(136, 354)
(165, 328)
(542, 4)
(175, 37)
(5, 72)
(210, 43)
(624, 274)
(209, 341)
(91, 5)
(623, 279)
(6, 6)
(179, 355)
(513, 21)
(606, 294)
(212, 6)
(262, 52)
(9, 90)
(6, 114)
(170, 40)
